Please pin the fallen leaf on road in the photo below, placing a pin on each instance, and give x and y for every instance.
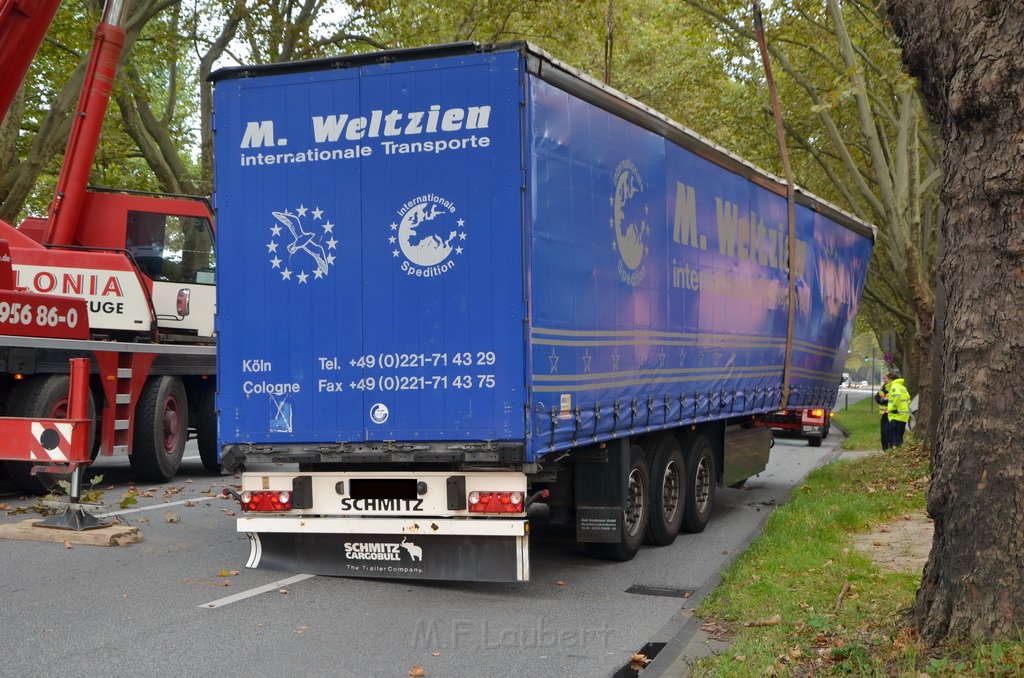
(226, 511)
(559, 583)
(283, 592)
(435, 654)
(227, 573)
(67, 544)
(172, 517)
(302, 629)
(638, 661)
(417, 671)
(189, 504)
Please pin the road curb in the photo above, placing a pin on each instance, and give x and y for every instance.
(687, 642)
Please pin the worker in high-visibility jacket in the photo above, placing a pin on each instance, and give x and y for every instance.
(899, 409)
(882, 398)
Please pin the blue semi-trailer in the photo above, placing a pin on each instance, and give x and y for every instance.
(458, 281)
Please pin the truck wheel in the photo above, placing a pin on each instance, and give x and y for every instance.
(814, 441)
(668, 490)
(700, 485)
(161, 428)
(206, 430)
(636, 514)
(45, 397)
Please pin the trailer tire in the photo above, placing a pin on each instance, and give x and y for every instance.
(668, 492)
(206, 429)
(636, 515)
(43, 396)
(161, 429)
(700, 484)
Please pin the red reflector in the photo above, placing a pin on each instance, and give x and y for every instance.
(267, 501)
(496, 502)
(183, 299)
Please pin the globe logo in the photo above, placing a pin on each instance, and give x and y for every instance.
(424, 240)
(629, 221)
(428, 236)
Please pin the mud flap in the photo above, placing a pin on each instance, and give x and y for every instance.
(439, 557)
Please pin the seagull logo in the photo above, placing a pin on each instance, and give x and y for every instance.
(310, 254)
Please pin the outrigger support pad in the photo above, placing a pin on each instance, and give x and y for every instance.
(74, 517)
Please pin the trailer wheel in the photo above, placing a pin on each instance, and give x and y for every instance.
(668, 491)
(700, 485)
(636, 514)
(46, 397)
(161, 429)
(206, 430)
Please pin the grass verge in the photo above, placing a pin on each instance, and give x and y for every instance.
(862, 424)
(802, 601)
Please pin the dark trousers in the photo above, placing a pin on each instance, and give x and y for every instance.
(886, 432)
(896, 431)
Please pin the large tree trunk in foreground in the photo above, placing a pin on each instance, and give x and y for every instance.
(968, 57)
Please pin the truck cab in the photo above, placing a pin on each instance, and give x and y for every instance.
(144, 263)
(811, 423)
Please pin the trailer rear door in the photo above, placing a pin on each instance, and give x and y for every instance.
(371, 252)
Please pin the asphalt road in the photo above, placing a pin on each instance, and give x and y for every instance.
(162, 608)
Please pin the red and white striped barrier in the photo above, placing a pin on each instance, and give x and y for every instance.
(63, 441)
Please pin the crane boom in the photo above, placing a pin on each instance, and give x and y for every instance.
(23, 25)
(66, 207)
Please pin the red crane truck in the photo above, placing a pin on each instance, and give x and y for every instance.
(126, 280)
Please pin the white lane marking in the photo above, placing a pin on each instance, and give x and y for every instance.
(121, 512)
(273, 586)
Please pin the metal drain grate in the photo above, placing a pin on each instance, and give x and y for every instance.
(632, 669)
(662, 591)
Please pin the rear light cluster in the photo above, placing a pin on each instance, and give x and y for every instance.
(817, 413)
(495, 502)
(266, 500)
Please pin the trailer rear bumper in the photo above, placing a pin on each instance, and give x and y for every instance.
(421, 548)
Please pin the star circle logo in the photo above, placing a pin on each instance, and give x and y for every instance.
(629, 221)
(429, 238)
(306, 238)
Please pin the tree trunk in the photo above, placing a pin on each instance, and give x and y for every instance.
(923, 383)
(967, 56)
